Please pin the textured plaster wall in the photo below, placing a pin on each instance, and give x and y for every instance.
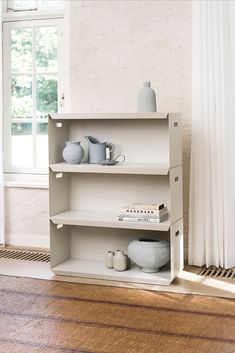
(27, 217)
(115, 45)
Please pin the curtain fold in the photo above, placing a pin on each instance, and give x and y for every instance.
(212, 181)
(2, 228)
(2, 232)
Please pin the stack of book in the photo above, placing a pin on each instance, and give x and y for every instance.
(138, 212)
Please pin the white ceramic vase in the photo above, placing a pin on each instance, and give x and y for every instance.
(73, 153)
(109, 259)
(120, 261)
(146, 99)
(150, 254)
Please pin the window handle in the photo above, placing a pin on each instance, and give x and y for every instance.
(62, 100)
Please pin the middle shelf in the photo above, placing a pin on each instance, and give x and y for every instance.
(103, 195)
(104, 219)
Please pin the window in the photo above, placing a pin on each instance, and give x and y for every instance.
(32, 85)
(34, 5)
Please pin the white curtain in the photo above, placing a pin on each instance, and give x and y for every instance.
(1, 192)
(212, 184)
(1, 146)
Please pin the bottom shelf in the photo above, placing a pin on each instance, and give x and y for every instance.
(97, 270)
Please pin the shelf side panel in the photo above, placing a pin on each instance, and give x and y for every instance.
(59, 244)
(57, 135)
(176, 194)
(177, 248)
(175, 139)
(58, 192)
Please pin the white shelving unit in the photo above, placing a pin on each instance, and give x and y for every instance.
(85, 198)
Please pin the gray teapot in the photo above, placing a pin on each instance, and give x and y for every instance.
(98, 151)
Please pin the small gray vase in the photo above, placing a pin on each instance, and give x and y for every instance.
(73, 153)
(146, 99)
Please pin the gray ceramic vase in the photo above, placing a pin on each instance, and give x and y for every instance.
(146, 99)
(73, 153)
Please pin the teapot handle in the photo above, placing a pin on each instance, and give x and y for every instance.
(118, 156)
(110, 146)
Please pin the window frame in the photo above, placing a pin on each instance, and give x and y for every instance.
(8, 168)
(29, 15)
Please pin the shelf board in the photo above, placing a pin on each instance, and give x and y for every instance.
(124, 168)
(97, 269)
(107, 116)
(104, 219)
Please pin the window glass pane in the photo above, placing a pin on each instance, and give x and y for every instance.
(21, 50)
(47, 96)
(44, 4)
(21, 97)
(23, 4)
(21, 129)
(33, 4)
(21, 145)
(46, 49)
(42, 145)
(42, 128)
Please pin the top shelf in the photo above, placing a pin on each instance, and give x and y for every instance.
(108, 116)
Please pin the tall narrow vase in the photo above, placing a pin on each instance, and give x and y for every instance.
(146, 99)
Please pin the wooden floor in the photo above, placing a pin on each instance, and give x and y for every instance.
(52, 317)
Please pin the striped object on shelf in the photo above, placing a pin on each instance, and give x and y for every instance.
(143, 212)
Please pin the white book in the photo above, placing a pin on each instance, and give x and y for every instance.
(144, 215)
(142, 207)
(146, 212)
(141, 219)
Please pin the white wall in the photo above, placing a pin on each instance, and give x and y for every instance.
(27, 217)
(115, 46)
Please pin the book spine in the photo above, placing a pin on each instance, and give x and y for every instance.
(143, 212)
(136, 219)
(143, 207)
(143, 215)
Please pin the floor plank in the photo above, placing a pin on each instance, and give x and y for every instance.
(52, 316)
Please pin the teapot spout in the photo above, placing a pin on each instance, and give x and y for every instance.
(91, 139)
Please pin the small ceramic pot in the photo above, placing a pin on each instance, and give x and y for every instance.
(73, 153)
(119, 261)
(109, 259)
